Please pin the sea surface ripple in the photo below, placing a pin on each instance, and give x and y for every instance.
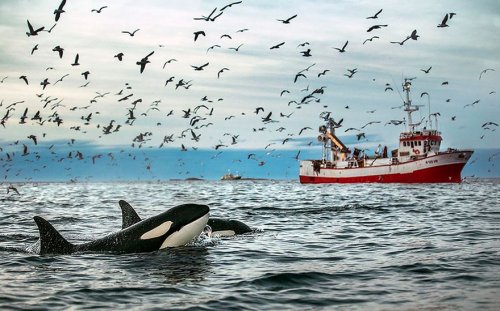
(315, 247)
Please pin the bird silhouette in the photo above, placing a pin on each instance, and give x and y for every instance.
(198, 33)
(287, 21)
(426, 70)
(375, 27)
(376, 15)
(144, 61)
(119, 56)
(99, 10)
(131, 33)
(59, 10)
(199, 68)
(32, 31)
(75, 63)
(277, 46)
(443, 22)
(370, 39)
(342, 50)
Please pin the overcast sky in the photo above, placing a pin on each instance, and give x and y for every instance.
(255, 74)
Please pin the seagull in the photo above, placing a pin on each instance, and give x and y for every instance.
(32, 31)
(426, 70)
(85, 74)
(60, 50)
(230, 5)
(375, 16)
(287, 21)
(119, 56)
(472, 104)
(306, 53)
(99, 10)
(214, 46)
(45, 83)
(484, 71)
(342, 50)
(401, 42)
(371, 122)
(370, 39)
(221, 71)
(198, 33)
(75, 63)
(199, 68)
(59, 10)
(489, 123)
(237, 48)
(144, 61)
(24, 78)
(323, 73)
(414, 35)
(303, 129)
(277, 46)
(12, 188)
(34, 49)
(375, 27)
(443, 22)
(131, 33)
(360, 135)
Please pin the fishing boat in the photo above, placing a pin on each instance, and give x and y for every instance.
(418, 159)
(230, 176)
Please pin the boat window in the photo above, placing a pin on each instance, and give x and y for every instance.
(412, 144)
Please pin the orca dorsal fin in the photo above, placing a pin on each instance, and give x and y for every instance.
(129, 215)
(51, 241)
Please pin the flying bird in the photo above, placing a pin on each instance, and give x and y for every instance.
(375, 16)
(277, 46)
(198, 33)
(199, 68)
(287, 21)
(426, 70)
(99, 10)
(221, 71)
(75, 63)
(484, 71)
(131, 33)
(32, 31)
(144, 61)
(60, 50)
(230, 5)
(342, 50)
(24, 78)
(59, 10)
(119, 56)
(375, 27)
(443, 22)
(370, 39)
(34, 49)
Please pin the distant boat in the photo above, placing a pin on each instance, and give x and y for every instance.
(417, 160)
(230, 176)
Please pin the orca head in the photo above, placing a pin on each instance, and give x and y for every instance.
(177, 226)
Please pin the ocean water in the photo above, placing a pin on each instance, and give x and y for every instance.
(315, 247)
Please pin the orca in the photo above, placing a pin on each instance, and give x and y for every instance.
(174, 227)
(227, 227)
(218, 227)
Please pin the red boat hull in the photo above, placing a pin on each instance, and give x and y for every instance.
(441, 174)
(442, 168)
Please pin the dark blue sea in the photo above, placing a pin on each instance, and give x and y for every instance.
(315, 247)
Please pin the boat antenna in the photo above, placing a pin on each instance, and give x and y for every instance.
(397, 89)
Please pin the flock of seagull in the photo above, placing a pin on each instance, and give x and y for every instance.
(197, 117)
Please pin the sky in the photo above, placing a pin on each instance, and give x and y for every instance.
(213, 112)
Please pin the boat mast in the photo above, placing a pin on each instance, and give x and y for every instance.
(407, 103)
